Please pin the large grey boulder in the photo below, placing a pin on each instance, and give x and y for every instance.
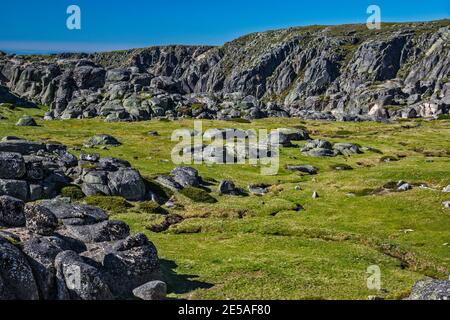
(186, 176)
(40, 220)
(78, 280)
(127, 264)
(127, 183)
(11, 212)
(16, 275)
(12, 165)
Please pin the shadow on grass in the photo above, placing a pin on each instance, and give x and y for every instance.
(180, 283)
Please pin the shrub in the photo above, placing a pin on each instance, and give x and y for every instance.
(72, 192)
(113, 205)
(198, 195)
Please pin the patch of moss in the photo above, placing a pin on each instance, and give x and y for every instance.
(151, 207)
(444, 117)
(113, 205)
(239, 120)
(73, 192)
(198, 195)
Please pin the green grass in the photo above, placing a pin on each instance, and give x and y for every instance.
(262, 247)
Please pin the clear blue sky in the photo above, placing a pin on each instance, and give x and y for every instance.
(40, 26)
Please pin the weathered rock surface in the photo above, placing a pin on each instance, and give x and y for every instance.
(430, 290)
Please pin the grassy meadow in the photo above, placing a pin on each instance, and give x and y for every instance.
(263, 247)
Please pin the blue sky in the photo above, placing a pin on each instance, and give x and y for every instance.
(40, 26)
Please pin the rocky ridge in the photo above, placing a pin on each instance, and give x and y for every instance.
(342, 72)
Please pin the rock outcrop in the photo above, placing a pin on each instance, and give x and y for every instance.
(345, 73)
(55, 249)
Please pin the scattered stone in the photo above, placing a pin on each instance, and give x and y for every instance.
(258, 190)
(315, 195)
(153, 133)
(403, 186)
(228, 187)
(446, 204)
(102, 140)
(26, 121)
(154, 290)
(311, 170)
(446, 189)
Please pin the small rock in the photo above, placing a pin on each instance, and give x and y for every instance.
(26, 121)
(446, 189)
(154, 290)
(153, 133)
(315, 195)
(446, 204)
(404, 187)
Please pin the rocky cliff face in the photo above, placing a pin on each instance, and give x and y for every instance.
(339, 72)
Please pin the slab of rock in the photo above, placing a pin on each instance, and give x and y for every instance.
(23, 147)
(40, 220)
(346, 149)
(110, 230)
(26, 121)
(14, 188)
(12, 165)
(430, 290)
(153, 290)
(303, 168)
(11, 212)
(74, 213)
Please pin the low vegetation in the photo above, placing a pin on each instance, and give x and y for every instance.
(265, 247)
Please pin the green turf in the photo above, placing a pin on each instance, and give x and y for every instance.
(262, 247)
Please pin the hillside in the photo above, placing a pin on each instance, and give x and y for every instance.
(343, 72)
